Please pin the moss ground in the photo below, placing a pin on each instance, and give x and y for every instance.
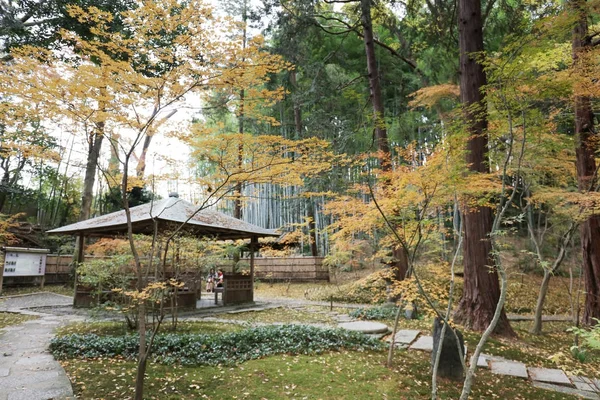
(9, 319)
(344, 375)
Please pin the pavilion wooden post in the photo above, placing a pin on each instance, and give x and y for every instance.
(253, 247)
(2, 270)
(79, 258)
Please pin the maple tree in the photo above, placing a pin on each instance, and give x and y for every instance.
(100, 93)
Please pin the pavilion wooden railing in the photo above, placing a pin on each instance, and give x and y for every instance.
(295, 269)
(238, 286)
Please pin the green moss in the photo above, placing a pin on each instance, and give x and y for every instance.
(282, 315)
(329, 376)
(18, 290)
(9, 319)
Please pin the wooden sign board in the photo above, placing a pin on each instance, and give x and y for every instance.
(21, 261)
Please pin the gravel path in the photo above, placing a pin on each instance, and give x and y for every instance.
(27, 301)
(27, 370)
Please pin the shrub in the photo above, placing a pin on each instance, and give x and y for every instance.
(379, 312)
(590, 340)
(227, 348)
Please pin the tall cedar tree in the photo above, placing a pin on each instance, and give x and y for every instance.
(585, 147)
(400, 256)
(481, 287)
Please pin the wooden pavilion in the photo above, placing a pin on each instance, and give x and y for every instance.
(169, 214)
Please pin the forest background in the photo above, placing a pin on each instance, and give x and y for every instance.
(412, 152)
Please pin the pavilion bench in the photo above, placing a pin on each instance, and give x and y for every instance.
(218, 290)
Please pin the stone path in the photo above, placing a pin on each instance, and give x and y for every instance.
(543, 378)
(27, 370)
(21, 303)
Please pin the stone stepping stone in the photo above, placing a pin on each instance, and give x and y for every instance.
(344, 318)
(365, 327)
(243, 310)
(548, 375)
(490, 357)
(510, 368)
(566, 390)
(482, 362)
(424, 343)
(378, 336)
(584, 383)
(406, 336)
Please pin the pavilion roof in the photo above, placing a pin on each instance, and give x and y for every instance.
(168, 214)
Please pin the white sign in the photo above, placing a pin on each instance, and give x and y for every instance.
(24, 262)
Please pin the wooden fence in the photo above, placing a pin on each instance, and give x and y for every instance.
(295, 269)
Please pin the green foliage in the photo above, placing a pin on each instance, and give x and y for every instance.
(113, 199)
(107, 273)
(228, 348)
(378, 313)
(590, 340)
(32, 22)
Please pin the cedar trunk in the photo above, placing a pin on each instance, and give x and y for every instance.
(381, 138)
(481, 287)
(585, 148)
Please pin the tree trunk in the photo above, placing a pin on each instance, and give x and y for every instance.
(297, 109)
(142, 353)
(312, 229)
(140, 169)
(95, 144)
(585, 147)
(237, 202)
(4, 184)
(9, 178)
(381, 138)
(481, 287)
(536, 329)
(400, 263)
(114, 163)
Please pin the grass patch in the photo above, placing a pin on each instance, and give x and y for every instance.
(282, 315)
(9, 319)
(329, 376)
(114, 328)
(20, 290)
(294, 290)
(521, 296)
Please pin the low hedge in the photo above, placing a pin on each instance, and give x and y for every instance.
(378, 313)
(226, 348)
